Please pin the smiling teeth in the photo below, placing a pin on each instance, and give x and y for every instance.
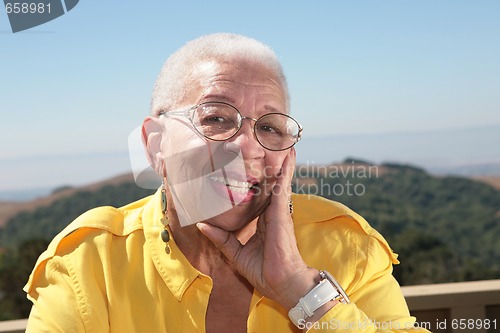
(233, 184)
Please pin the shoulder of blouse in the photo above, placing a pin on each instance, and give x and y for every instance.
(327, 215)
(117, 221)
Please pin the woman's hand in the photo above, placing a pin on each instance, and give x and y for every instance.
(270, 260)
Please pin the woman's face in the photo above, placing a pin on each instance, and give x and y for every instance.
(226, 183)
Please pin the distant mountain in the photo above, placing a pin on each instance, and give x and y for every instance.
(467, 169)
(10, 208)
(462, 151)
(24, 195)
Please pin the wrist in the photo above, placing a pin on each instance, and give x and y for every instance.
(298, 286)
(313, 305)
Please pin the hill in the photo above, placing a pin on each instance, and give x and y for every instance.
(490, 180)
(45, 217)
(10, 209)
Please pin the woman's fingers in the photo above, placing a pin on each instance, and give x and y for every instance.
(285, 180)
(282, 189)
(289, 165)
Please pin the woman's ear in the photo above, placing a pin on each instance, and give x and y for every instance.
(152, 133)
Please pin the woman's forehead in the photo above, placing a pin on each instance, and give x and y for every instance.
(232, 81)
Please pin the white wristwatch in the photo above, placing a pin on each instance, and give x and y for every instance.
(328, 289)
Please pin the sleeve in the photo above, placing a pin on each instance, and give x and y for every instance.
(377, 303)
(55, 303)
(65, 299)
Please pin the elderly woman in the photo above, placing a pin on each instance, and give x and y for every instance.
(223, 246)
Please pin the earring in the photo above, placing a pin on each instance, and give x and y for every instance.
(165, 235)
(290, 206)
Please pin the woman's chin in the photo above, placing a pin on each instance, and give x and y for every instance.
(231, 220)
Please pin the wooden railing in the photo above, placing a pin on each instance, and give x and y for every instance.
(13, 326)
(448, 307)
(456, 307)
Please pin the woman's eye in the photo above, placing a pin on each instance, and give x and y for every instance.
(215, 120)
(268, 129)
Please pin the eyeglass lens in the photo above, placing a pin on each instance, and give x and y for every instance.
(220, 121)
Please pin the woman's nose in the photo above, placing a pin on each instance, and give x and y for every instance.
(247, 141)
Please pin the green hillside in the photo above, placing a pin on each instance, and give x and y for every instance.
(444, 229)
(46, 222)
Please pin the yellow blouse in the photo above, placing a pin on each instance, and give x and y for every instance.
(108, 271)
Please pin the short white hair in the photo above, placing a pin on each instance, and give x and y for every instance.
(173, 80)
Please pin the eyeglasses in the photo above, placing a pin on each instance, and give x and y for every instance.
(220, 121)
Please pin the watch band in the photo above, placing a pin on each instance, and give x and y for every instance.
(328, 289)
(322, 293)
(343, 298)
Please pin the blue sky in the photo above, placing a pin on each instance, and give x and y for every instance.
(74, 88)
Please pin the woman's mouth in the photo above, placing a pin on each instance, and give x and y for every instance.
(238, 191)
